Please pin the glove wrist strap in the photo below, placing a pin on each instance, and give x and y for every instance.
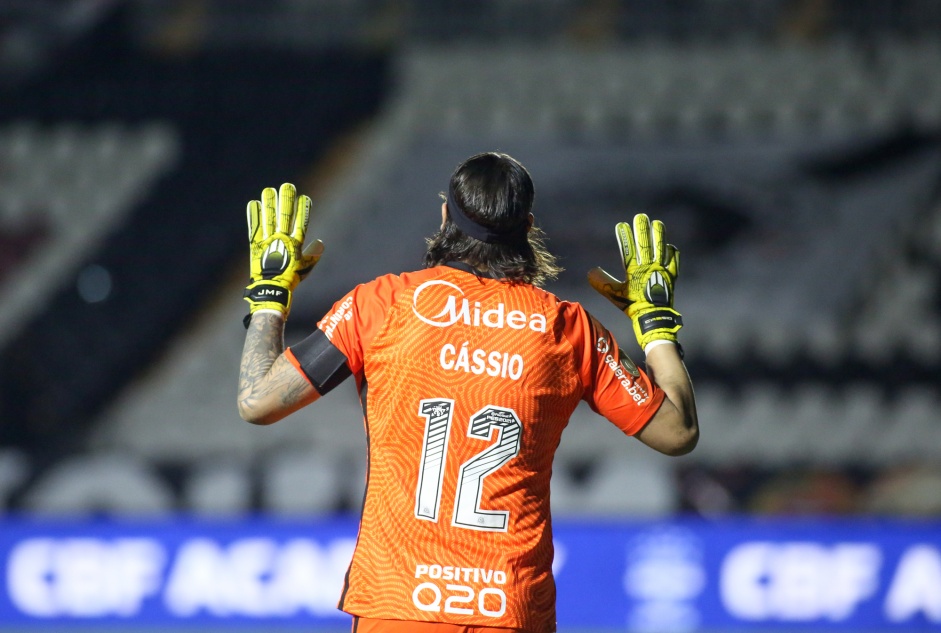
(265, 291)
(659, 319)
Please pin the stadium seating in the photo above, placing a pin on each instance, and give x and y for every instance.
(654, 92)
(221, 487)
(100, 483)
(15, 468)
(789, 324)
(65, 187)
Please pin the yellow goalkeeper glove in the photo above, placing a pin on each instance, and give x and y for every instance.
(277, 226)
(646, 295)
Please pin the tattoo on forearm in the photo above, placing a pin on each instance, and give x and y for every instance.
(294, 392)
(264, 342)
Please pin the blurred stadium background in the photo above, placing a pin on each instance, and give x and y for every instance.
(792, 148)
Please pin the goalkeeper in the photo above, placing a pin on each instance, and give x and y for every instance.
(468, 373)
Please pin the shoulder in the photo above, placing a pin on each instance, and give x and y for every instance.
(577, 323)
(396, 282)
(567, 319)
(381, 293)
(566, 310)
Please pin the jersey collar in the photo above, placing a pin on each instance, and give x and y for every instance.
(467, 268)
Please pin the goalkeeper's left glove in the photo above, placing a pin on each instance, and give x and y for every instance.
(276, 229)
(646, 295)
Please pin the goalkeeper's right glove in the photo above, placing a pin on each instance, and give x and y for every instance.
(646, 295)
(276, 229)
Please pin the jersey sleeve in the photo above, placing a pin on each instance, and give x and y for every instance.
(319, 361)
(336, 349)
(613, 385)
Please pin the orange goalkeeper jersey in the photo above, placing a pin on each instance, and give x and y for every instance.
(466, 384)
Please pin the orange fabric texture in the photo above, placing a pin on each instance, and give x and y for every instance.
(467, 384)
(366, 625)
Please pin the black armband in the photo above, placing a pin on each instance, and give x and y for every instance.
(320, 360)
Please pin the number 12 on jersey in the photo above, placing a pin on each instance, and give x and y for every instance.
(438, 414)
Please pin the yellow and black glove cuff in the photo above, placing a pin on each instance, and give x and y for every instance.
(268, 295)
(654, 323)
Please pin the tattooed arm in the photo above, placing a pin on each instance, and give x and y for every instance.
(270, 387)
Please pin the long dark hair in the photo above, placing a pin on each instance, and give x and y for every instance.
(495, 191)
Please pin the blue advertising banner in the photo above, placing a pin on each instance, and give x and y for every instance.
(751, 575)
(678, 575)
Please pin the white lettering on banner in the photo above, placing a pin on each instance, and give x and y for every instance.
(663, 578)
(916, 586)
(478, 361)
(559, 557)
(257, 577)
(83, 577)
(342, 313)
(665, 567)
(496, 317)
(798, 581)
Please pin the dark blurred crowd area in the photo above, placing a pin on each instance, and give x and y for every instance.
(226, 73)
(909, 490)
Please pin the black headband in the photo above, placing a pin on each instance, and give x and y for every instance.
(479, 232)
